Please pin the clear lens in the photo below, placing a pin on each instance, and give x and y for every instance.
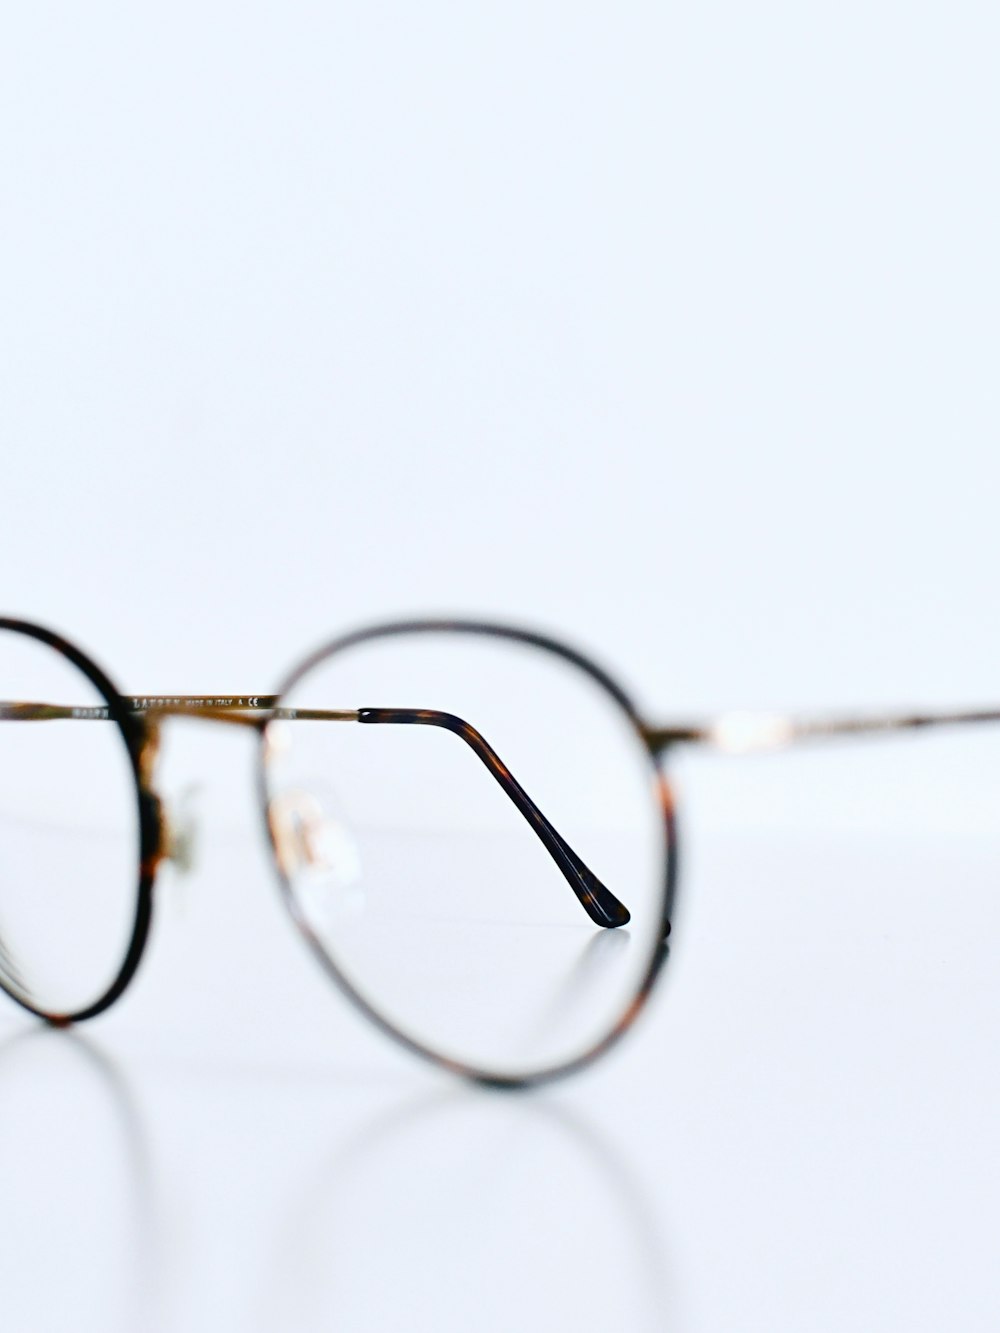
(448, 904)
(69, 837)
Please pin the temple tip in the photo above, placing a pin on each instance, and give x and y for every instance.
(601, 904)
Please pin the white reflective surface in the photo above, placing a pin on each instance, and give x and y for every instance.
(802, 1133)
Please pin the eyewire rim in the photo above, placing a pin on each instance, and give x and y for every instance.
(135, 736)
(478, 1073)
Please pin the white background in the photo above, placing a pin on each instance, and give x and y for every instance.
(673, 330)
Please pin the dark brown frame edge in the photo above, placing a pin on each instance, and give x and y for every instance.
(136, 736)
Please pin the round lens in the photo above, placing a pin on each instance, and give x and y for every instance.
(470, 831)
(69, 832)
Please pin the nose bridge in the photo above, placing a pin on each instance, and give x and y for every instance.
(173, 829)
(149, 752)
(156, 828)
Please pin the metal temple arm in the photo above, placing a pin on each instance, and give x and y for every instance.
(749, 733)
(248, 710)
(256, 710)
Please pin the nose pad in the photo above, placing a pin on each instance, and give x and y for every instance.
(181, 830)
(316, 853)
(290, 816)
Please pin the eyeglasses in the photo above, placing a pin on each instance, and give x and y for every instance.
(471, 825)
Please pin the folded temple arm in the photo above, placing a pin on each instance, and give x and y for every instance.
(255, 710)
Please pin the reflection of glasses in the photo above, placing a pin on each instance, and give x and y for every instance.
(447, 860)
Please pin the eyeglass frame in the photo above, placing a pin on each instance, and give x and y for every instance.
(138, 718)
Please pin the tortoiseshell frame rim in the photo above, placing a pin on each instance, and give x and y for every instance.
(135, 734)
(645, 738)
